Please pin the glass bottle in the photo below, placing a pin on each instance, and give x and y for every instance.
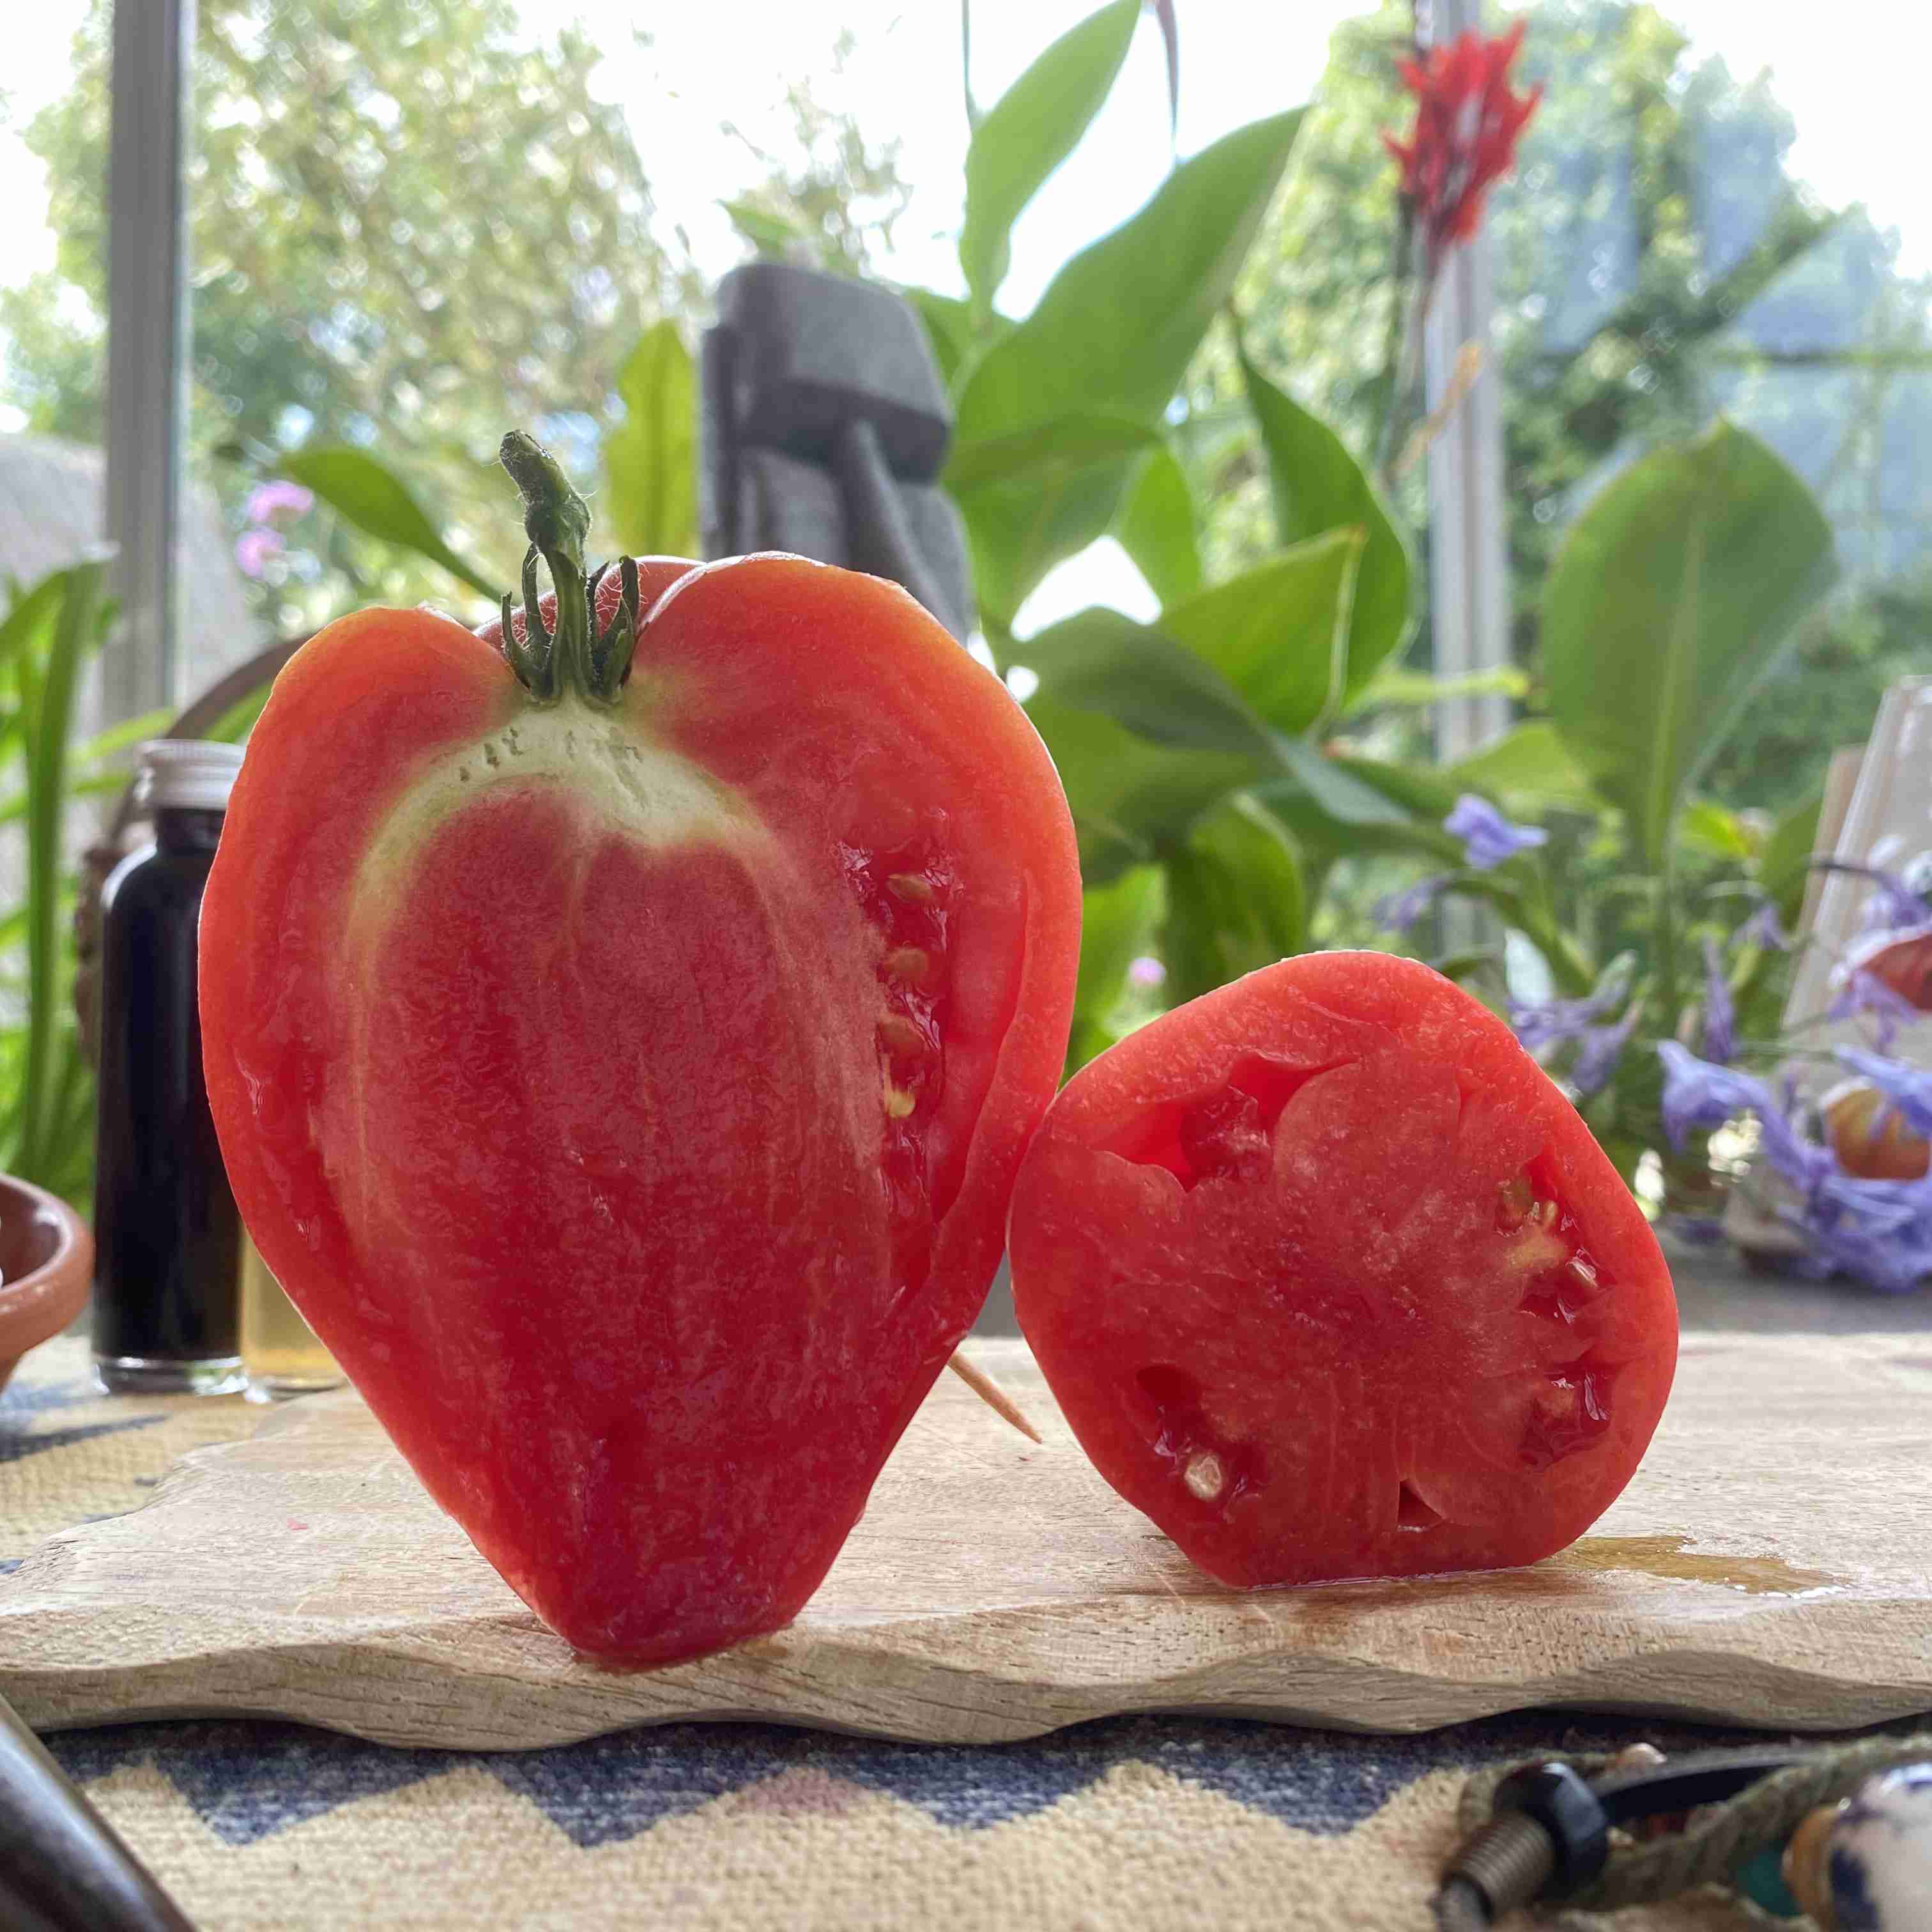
(279, 1349)
(167, 1239)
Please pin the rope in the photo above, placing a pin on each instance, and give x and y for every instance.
(1720, 1839)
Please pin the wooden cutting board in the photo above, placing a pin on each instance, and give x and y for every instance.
(1769, 1565)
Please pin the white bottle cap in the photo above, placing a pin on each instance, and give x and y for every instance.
(187, 774)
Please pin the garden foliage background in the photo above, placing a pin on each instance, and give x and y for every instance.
(411, 225)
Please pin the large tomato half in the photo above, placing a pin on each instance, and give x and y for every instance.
(629, 1094)
(1331, 1281)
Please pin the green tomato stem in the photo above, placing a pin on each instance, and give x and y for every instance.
(570, 658)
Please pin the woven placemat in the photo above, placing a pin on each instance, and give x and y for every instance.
(1140, 1822)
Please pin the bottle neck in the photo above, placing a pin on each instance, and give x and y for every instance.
(186, 829)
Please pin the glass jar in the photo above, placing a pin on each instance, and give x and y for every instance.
(167, 1238)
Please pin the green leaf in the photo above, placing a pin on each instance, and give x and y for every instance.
(1706, 826)
(1119, 323)
(1529, 769)
(950, 330)
(1043, 451)
(27, 619)
(1352, 792)
(1117, 925)
(47, 689)
(650, 459)
(1101, 660)
(1784, 859)
(118, 738)
(1016, 531)
(1671, 597)
(1155, 526)
(365, 493)
(1235, 899)
(1113, 332)
(1277, 633)
(1032, 128)
(770, 234)
(1394, 687)
(1317, 486)
(1129, 798)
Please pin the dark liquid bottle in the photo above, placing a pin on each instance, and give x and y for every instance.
(167, 1239)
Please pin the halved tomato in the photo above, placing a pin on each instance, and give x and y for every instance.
(1331, 1281)
(625, 1075)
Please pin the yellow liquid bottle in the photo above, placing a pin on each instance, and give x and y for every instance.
(278, 1348)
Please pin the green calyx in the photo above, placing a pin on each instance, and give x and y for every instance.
(571, 657)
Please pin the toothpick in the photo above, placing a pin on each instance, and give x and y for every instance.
(993, 1395)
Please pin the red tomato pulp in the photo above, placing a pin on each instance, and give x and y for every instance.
(629, 1094)
(1331, 1281)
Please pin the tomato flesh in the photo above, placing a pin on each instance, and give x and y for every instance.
(1331, 1281)
(629, 1096)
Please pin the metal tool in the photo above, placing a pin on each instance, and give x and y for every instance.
(62, 1868)
(823, 427)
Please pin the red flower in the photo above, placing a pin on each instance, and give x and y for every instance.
(1467, 123)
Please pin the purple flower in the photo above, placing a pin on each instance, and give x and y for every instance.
(1864, 992)
(1764, 928)
(1697, 1094)
(253, 548)
(1891, 903)
(1599, 1049)
(267, 501)
(1878, 1231)
(1146, 972)
(1488, 838)
(1398, 911)
(1560, 1020)
(1720, 1028)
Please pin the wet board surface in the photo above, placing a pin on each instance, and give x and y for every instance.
(1771, 1565)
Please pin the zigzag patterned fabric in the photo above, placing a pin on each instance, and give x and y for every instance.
(1140, 1822)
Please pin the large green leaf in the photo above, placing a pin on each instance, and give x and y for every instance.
(1129, 797)
(1016, 531)
(1528, 768)
(1235, 899)
(650, 459)
(367, 493)
(1101, 661)
(956, 335)
(1044, 452)
(1118, 922)
(1119, 323)
(1277, 633)
(1318, 486)
(1115, 332)
(1155, 526)
(1032, 128)
(1669, 599)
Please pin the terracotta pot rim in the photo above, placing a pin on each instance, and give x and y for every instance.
(37, 1306)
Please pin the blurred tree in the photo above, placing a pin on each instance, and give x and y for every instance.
(831, 199)
(1655, 262)
(414, 222)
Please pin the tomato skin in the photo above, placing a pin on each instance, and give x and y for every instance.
(567, 1081)
(1345, 1341)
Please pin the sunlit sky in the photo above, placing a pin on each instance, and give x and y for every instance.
(1857, 95)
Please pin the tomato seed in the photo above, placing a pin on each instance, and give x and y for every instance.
(911, 964)
(1204, 1476)
(900, 1034)
(899, 1103)
(1515, 1200)
(914, 887)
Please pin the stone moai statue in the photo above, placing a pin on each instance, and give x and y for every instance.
(823, 427)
